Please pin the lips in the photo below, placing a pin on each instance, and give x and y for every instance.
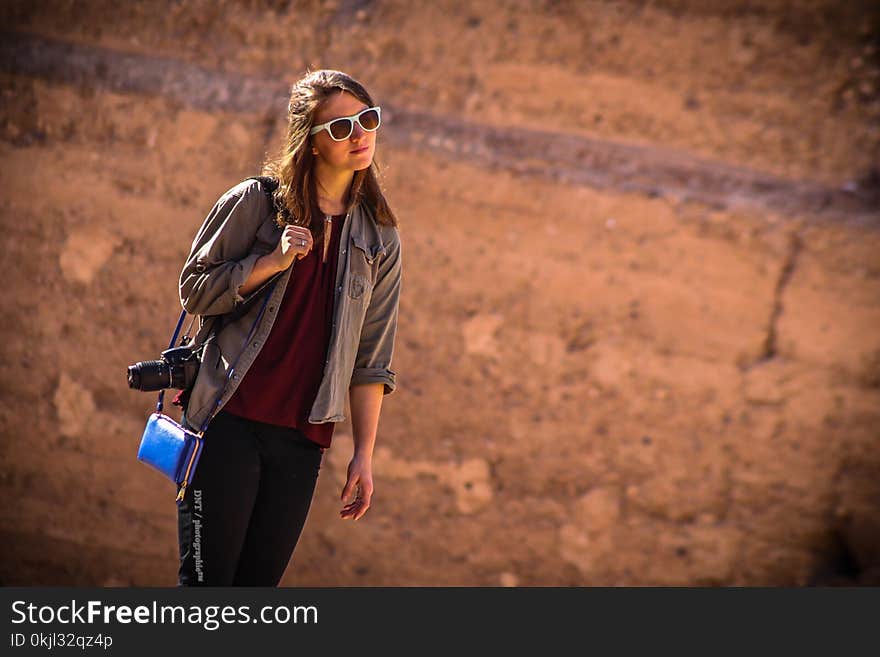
(360, 150)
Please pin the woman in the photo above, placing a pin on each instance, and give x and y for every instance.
(296, 277)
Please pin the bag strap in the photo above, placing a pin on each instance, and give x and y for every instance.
(197, 450)
(160, 402)
(268, 185)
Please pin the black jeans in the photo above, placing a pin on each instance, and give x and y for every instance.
(247, 503)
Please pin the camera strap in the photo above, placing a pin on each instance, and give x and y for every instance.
(160, 401)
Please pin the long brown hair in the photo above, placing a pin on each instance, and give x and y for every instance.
(296, 195)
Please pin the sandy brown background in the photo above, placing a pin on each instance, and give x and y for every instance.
(640, 329)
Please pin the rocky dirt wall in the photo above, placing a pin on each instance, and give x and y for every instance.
(601, 383)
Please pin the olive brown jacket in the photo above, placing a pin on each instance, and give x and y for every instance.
(239, 230)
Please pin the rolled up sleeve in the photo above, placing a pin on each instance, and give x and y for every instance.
(376, 347)
(366, 376)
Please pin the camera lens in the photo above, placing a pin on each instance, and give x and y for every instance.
(134, 377)
(149, 375)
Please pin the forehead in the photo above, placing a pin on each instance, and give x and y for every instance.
(339, 104)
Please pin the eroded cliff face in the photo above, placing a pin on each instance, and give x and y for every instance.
(639, 330)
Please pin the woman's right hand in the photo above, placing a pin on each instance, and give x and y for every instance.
(295, 243)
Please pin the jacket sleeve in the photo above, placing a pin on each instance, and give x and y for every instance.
(220, 259)
(373, 361)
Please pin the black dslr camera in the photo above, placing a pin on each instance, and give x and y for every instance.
(177, 368)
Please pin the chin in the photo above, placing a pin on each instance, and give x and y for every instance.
(363, 161)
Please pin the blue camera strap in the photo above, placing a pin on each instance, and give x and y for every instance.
(160, 401)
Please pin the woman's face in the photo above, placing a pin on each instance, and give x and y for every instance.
(352, 154)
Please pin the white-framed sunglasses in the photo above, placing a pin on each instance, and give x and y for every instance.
(340, 129)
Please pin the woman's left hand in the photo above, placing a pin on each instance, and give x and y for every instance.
(358, 490)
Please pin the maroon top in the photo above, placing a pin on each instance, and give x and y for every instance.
(282, 383)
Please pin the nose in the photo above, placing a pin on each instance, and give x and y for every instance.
(357, 132)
